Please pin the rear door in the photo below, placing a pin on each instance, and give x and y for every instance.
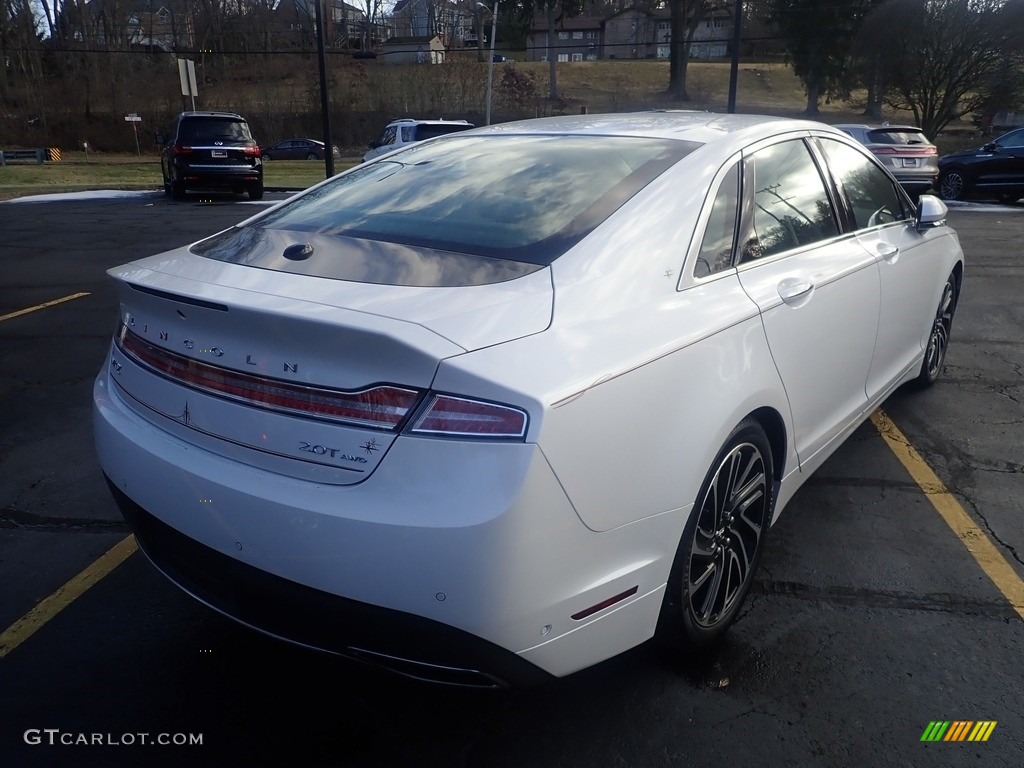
(817, 290)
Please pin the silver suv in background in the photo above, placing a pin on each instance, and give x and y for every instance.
(399, 133)
(903, 149)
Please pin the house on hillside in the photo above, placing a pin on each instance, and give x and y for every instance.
(167, 28)
(346, 26)
(165, 25)
(574, 39)
(632, 33)
(425, 18)
(414, 50)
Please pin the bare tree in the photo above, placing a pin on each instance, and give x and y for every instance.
(684, 18)
(948, 67)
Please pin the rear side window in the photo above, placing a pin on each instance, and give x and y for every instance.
(872, 194)
(716, 246)
(213, 129)
(791, 207)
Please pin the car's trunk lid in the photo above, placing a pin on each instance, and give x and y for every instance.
(230, 357)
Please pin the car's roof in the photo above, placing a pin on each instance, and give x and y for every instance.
(212, 114)
(696, 126)
(879, 127)
(438, 121)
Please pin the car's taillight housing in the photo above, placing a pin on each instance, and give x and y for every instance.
(453, 416)
(929, 150)
(252, 151)
(178, 149)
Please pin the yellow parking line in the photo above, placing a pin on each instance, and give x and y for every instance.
(988, 556)
(34, 620)
(44, 305)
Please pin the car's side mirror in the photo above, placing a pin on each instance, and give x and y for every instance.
(161, 139)
(991, 147)
(931, 213)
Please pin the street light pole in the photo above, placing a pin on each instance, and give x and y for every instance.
(490, 61)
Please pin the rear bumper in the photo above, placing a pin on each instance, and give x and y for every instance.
(216, 176)
(401, 642)
(469, 576)
(917, 183)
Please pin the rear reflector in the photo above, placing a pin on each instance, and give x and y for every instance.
(604, 604)
(461, 417)
(380, 407)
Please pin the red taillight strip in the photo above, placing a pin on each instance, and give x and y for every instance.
(381, 407)
(905, 151)
(447, 415)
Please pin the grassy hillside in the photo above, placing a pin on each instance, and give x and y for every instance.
(365, 95)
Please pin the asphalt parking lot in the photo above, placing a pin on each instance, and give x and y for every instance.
(878, 610)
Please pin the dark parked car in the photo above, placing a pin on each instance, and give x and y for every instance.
(210, 150)
(298, 149)
(995, 170)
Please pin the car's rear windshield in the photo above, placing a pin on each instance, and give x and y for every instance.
(211, 129)
(894, 136)
(525, 198)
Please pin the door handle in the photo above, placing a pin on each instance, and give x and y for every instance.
(793, 289)
(888, 251)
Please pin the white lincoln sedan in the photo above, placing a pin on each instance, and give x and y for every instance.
(496, 407)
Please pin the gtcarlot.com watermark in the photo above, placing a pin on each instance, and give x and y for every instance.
(54, 737)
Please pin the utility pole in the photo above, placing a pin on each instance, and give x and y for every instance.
(325, 102)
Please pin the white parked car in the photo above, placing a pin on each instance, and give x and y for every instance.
(402, 133)
(502, 405)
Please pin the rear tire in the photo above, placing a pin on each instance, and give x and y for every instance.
(312, 156)
(255, 191)
(177, 190)
(722, 543)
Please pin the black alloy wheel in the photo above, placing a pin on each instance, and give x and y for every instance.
(952, 185)
(938, 339)
(723, 540)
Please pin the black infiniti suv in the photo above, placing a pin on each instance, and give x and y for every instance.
(210, 150)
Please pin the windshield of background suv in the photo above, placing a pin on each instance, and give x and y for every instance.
(526, 198)
(207, 130)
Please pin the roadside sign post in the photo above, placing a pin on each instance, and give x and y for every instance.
(187, 76)
(134, 119)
